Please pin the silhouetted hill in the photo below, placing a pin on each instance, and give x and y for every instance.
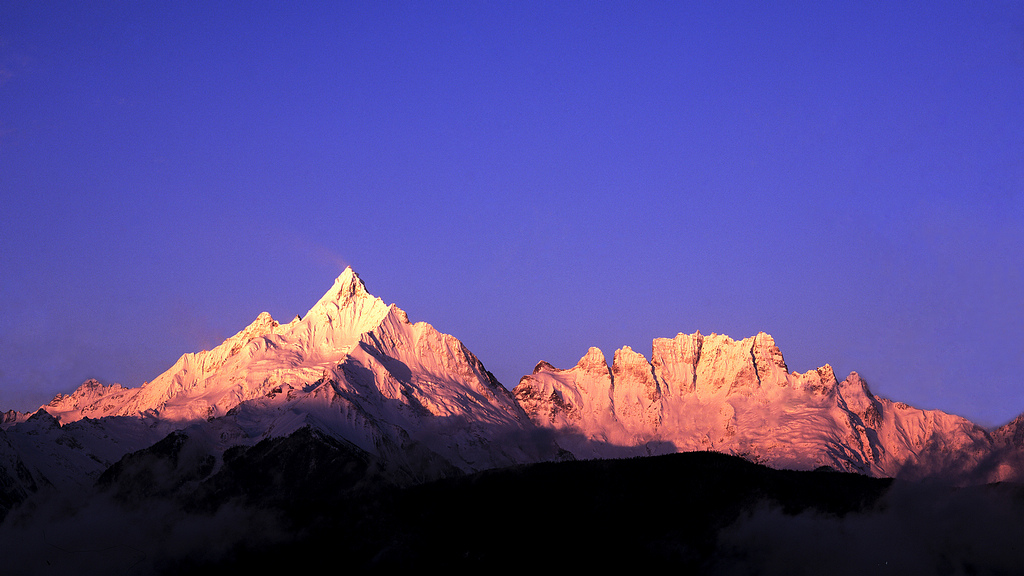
(657, 511)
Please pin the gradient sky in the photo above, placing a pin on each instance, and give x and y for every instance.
(534, 178)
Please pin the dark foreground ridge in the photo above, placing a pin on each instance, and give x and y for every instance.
(287, 505)
(656, 511)
(699, 512)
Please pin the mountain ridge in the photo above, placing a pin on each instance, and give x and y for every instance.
(357, 370)
(712, 392)
(352, 368)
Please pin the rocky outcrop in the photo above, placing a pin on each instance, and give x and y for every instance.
(713, 392)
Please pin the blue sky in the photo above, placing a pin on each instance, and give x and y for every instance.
(533, 178)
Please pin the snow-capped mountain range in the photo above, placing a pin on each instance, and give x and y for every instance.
(715, 393)
(356, 370)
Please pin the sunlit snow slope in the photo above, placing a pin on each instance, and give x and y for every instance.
(352, 366)
(358, 370)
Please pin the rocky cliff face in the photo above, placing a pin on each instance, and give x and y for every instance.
(714, 393)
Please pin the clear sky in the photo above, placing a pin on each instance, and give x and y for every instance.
(534, 178)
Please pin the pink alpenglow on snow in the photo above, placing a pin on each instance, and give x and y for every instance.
(359, 371)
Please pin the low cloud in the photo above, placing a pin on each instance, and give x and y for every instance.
(97, 535)
(913, 529)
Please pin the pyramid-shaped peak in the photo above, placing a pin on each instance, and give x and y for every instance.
(263, 324)
(348, 285)
(348, 305)
(263, 319)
